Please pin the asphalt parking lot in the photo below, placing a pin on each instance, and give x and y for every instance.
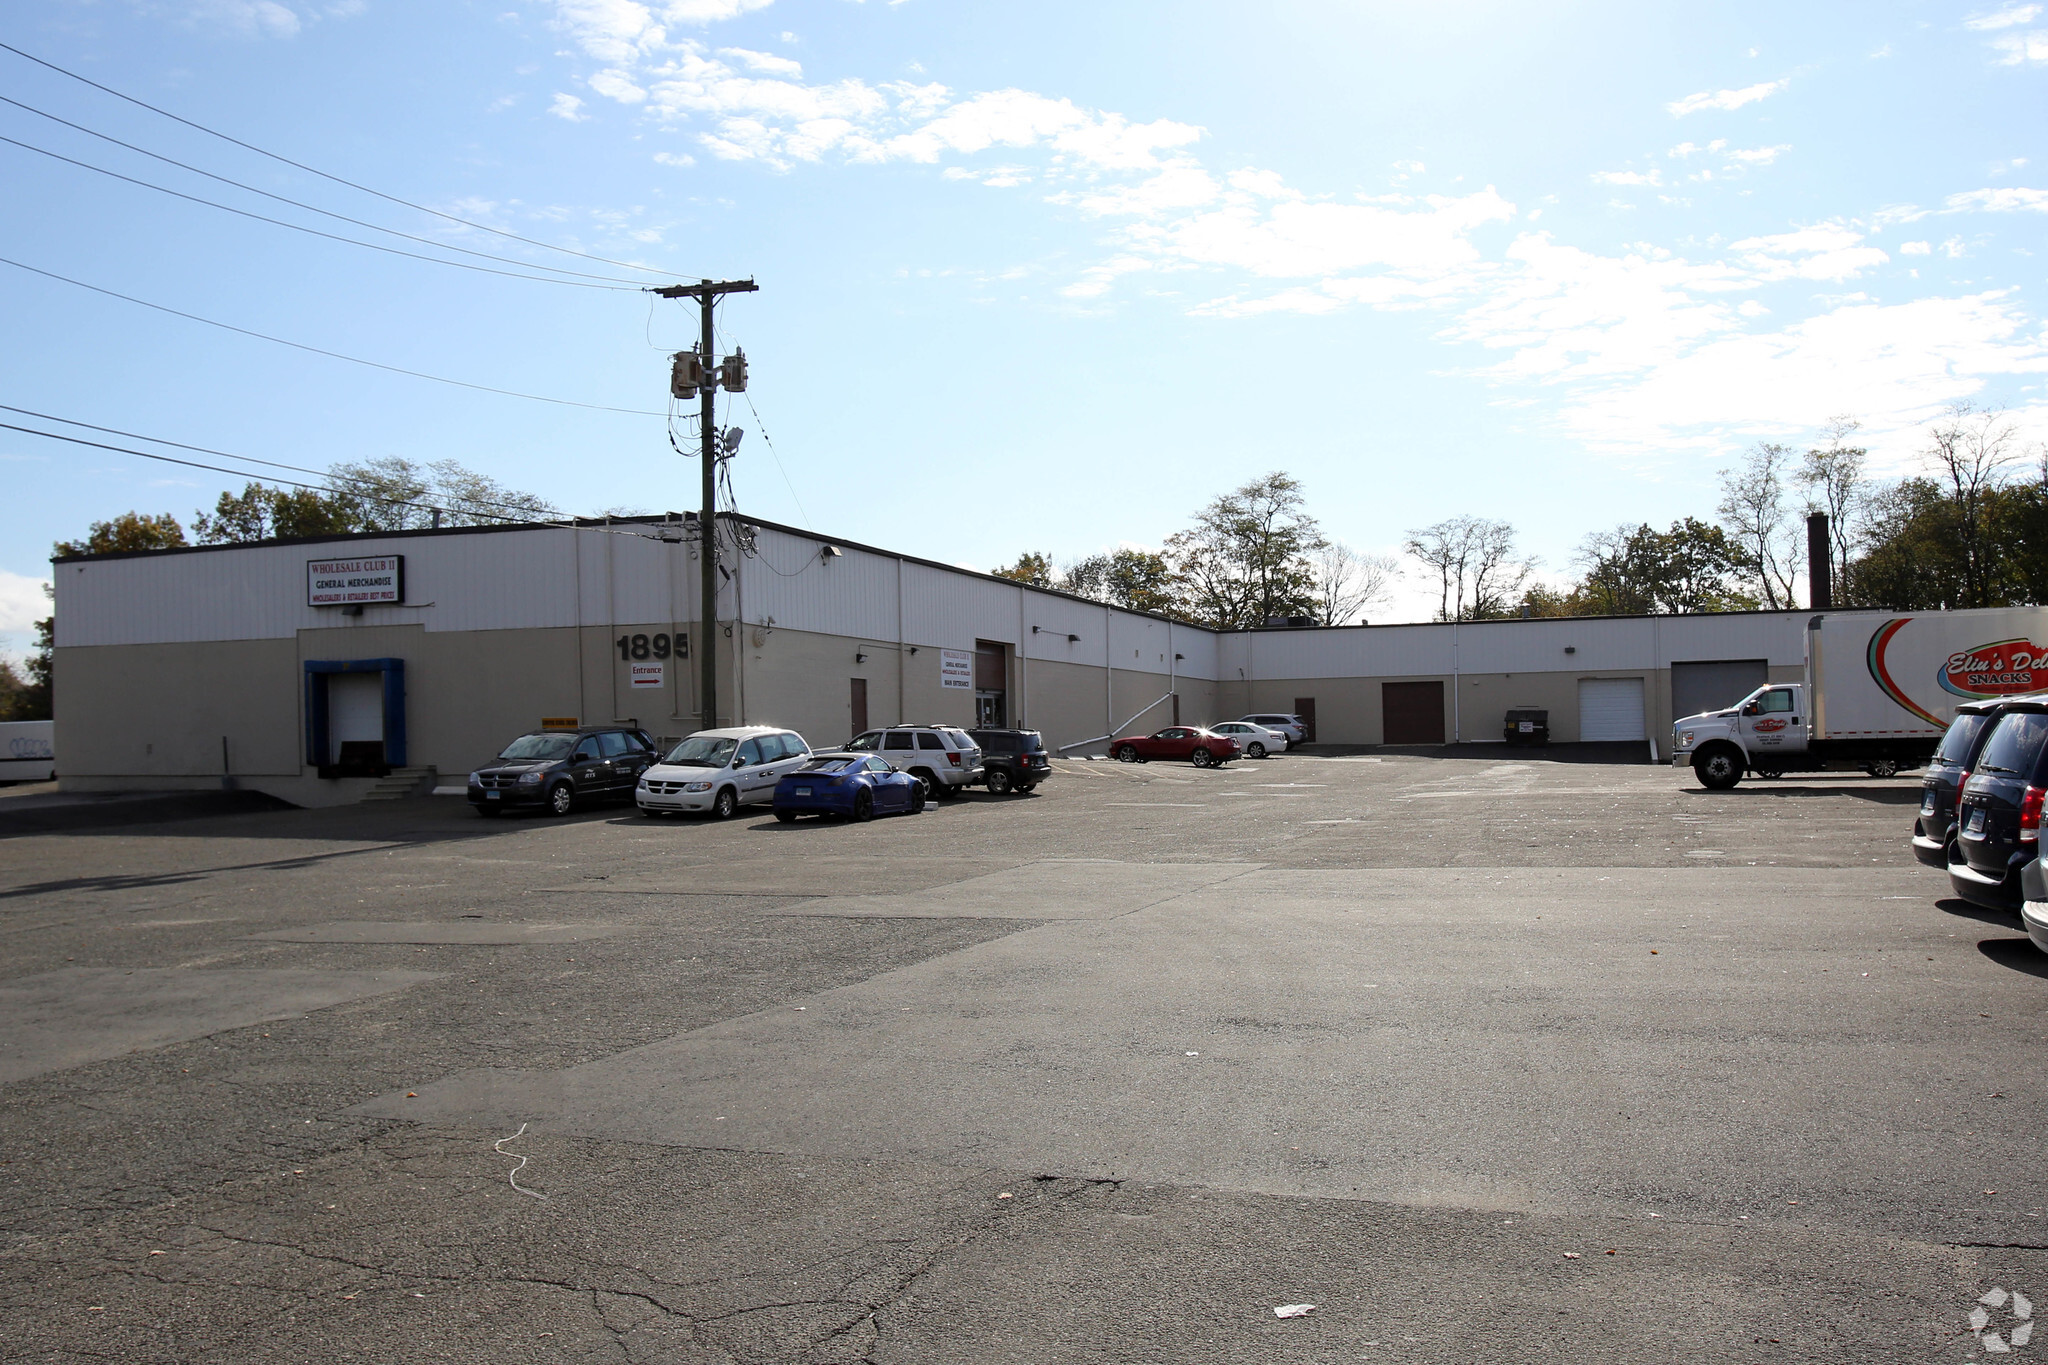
(1489, 1057)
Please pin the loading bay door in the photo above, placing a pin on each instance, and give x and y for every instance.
(1412, 713)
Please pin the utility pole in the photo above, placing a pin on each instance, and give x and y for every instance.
(692, 372)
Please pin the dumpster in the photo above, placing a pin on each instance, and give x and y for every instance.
(1526, 725)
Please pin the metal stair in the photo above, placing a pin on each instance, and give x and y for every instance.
(402, 782)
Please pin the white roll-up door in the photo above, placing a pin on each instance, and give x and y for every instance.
(1610, 708)
(355, 709)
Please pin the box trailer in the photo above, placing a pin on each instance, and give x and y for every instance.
(28, 750)
(1879, 690)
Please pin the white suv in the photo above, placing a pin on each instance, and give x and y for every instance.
(943, 757)
(721, 770)
(1288, 725)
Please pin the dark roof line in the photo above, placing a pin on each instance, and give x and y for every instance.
(658, 519)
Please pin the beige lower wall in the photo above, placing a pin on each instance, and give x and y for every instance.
(153, 716)
(1348, 709)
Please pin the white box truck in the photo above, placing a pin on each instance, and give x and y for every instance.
(28, 750)
(1880, 688)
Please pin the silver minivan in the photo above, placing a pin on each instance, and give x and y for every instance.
(721, 770)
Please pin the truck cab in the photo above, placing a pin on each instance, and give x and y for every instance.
(1765, 733)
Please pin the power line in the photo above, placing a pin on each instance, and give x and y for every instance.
(332, 355)
(295, 203)
(299, 165)
(300, 227)
(457, 504)
(327, 474)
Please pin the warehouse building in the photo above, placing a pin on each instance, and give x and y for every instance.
(323, 670)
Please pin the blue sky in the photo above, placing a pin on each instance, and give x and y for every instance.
(1036, 276)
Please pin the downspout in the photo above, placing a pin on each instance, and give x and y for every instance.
(739, 634)
(1108, 679)
(576, 552)
(1023, 658)
(902, 714)
(1457, 725)
(611, 617)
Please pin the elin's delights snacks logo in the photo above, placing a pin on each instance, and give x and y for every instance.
(2003, 669)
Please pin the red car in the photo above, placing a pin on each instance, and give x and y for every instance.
(1190, 742)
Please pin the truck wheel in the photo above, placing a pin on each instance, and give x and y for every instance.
(1881, 767)
(999, 781)
(1718, 769)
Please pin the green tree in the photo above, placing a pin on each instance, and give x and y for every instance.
(33, 700)
(390, 494)
(1245, 561)
(1139, 580)
(128, 532)
(1692, 567)
(1031, 567)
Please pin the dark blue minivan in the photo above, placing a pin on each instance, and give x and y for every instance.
(1998, 816)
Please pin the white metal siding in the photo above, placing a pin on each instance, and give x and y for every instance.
(1610, 709)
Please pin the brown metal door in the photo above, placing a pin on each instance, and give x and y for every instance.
(860, 706)
(1412, 712)
(1305, 707)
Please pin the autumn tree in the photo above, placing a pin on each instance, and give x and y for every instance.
(126, 533)
(1246, 560)
(1348, 582)
(1479, 572)
(1753, 510)
(1031, 568)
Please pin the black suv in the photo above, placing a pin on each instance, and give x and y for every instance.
(1998, 816)
(1934, 828)
(561, 769)
(1013, 760)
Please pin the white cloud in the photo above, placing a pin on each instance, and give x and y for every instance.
(1725, 99)
(765, 62)
(674, 159)
(1686, 149)
(2012, 199)
(1759, 156)
(1915, 248)
(2008, 17)
(568, 107)
(1653, 176)
(1824, 251)
(250, 18)
(617, 85)
(1893, 365)
(22, 604)
(2016, 49)
(1296, 239)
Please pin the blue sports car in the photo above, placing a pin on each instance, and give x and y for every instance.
(858, 785)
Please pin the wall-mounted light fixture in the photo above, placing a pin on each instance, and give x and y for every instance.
(860, 656)
(1179, 657)
(829, 552)
(913, 649)
(1035, 630)
(1571, 649)
(1072, 638)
